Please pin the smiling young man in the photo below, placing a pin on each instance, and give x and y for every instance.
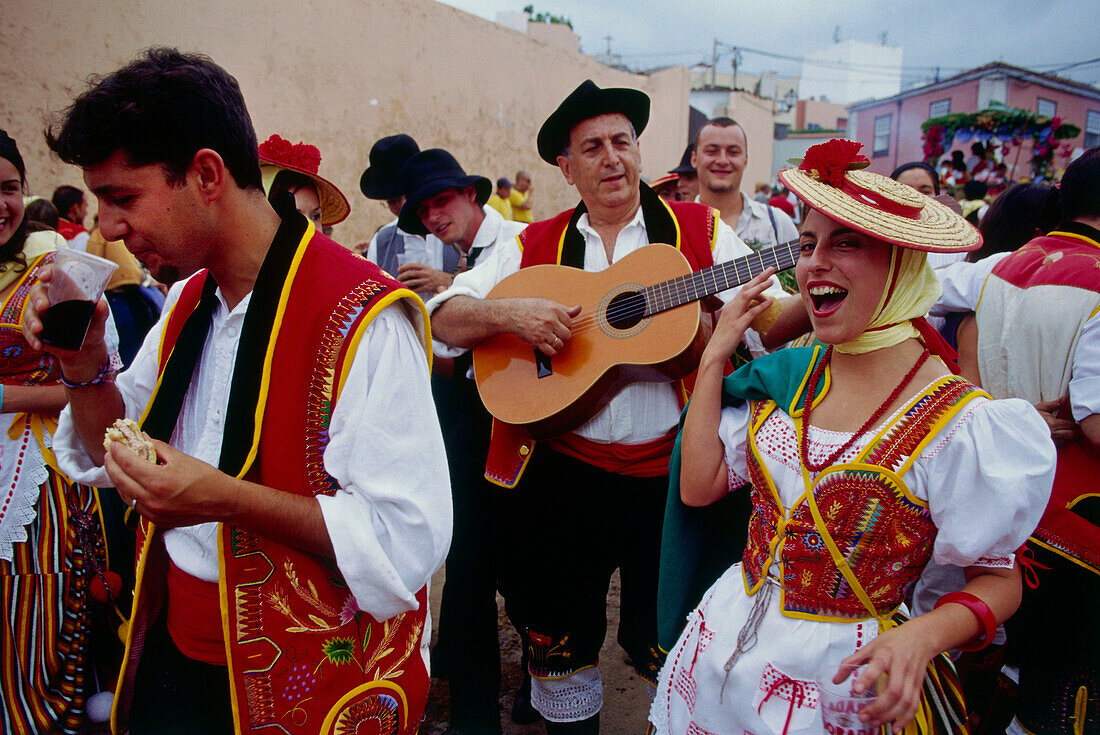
(592, 500)
(299, 498)
(720, 157)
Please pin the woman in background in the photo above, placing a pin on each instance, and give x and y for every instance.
(52, 561)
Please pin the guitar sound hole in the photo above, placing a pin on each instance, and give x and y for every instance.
(625, 310)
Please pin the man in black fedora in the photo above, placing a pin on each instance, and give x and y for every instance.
(592, 500)
(382, 181)
(448, 207)
(688, 183)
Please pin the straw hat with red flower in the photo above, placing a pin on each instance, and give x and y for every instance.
(830, 179)
(279, 154)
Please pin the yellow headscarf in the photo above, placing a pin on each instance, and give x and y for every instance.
(911, 289)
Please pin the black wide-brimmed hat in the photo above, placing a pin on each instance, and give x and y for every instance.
(588, 101)
(382, 179)
(685, 166)
(428, 173)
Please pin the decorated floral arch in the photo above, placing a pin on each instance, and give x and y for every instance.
(1006, 126)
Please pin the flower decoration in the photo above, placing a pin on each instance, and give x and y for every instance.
(829, 161)
(282, 152)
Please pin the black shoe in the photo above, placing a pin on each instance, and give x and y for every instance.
(522, 711)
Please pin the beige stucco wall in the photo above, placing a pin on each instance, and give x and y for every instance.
(338, 75)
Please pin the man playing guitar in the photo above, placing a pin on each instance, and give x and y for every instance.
(591, 500)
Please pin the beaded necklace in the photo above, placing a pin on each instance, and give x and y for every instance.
(811, 391)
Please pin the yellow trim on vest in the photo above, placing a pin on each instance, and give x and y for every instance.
(265, 374)
(561, 245)
(398, 693)
(223, 605)
(938, 425)
(795, 409)
(1080, 710)
(1074, 236)
(360, 330)
(519, 243)
(834, 551)
(878, 470)
(769, 407)
(15, 289)
(128, 644)
(1079, 498)
(1064, 555)
(522, 467)
(675, 222)
(1094, 312)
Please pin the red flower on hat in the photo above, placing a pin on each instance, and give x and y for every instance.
(829, 161)
(299, 155)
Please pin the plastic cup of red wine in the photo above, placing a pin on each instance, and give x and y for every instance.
(77, 283)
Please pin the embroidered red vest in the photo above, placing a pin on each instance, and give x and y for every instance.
(696, 229)
(302, 657)
(882, 530)
(1065, 258)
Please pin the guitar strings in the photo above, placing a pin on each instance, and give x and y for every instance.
(675, 292)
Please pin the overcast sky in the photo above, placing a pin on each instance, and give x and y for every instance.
(952, 35)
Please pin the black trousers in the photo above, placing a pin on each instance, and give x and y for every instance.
(565, 529)
(468, 627)
(177, 695)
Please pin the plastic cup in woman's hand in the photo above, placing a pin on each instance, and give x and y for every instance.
(840, 706)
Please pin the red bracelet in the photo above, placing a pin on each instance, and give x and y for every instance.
(981, 611)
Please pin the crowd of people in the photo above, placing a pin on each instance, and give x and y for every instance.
(876, 469)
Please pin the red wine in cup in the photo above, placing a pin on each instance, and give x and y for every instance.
(65, 324)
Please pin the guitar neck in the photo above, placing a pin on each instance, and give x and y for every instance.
(709, 281)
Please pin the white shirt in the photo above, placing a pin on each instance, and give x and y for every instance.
(415, 247)
(755, 227)
(962, 290)
(642, 411)
(390, 521)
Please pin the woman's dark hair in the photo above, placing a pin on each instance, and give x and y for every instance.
(161, 108)
(12, 250)
(283, 186)
(1016, 216)
(1081, 186)
(921, 165)
(40, 215)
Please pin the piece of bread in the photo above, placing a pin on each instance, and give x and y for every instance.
(128, 433)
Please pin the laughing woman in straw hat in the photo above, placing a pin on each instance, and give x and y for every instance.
(866, 459)
(290, 173)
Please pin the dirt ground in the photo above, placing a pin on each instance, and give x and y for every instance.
(626, 697)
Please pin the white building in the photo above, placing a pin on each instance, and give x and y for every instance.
(851, 71)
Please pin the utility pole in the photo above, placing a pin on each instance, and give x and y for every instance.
(714, 64)
(736, 59)
(608, 39)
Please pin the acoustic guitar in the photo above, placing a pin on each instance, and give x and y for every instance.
(639, 321)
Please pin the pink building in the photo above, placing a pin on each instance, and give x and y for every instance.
(890, 128)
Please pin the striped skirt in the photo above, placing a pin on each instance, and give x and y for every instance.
(45, 600)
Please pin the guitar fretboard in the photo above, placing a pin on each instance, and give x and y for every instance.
(709, 281)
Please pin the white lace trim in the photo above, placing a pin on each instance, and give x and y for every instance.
(778, 440)
(22, 472)
(571, 699)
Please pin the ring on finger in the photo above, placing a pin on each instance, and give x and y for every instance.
(133, 504)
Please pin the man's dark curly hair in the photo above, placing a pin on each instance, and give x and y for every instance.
(161, 108)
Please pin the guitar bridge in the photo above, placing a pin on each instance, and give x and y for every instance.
(542, 364)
